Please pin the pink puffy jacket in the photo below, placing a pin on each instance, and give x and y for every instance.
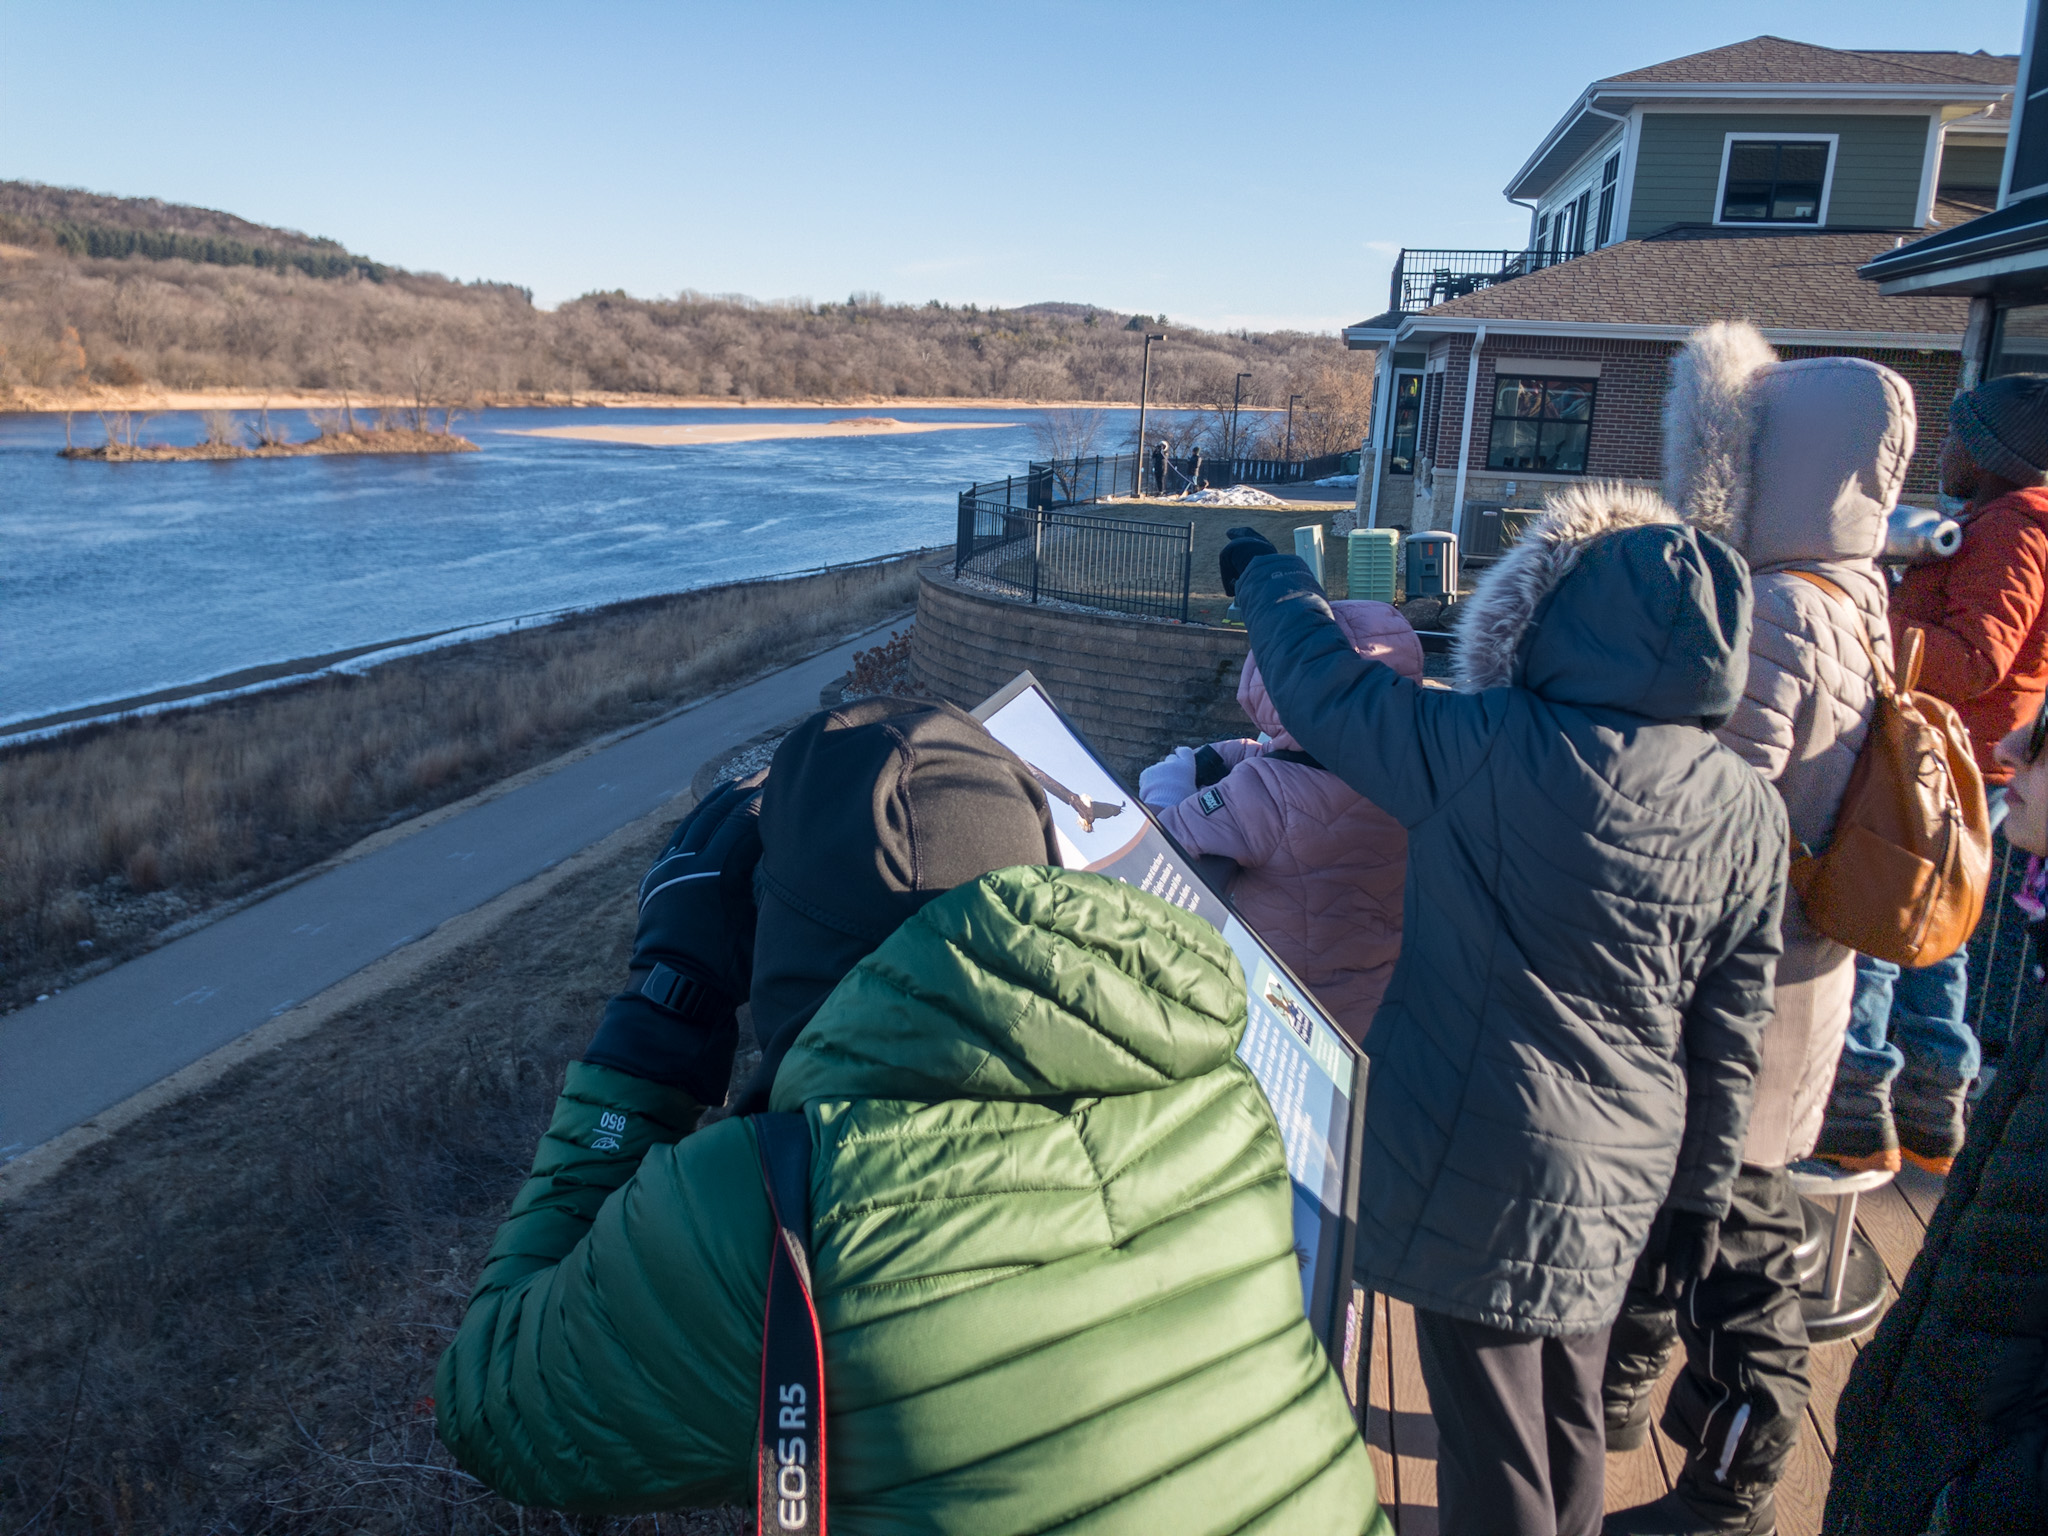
(1322, 867)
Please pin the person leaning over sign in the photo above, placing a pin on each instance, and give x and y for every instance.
(1590, 927)
(1043, 1207)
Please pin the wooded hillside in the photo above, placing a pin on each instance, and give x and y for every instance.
(122, 292)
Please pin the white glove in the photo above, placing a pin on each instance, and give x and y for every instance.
(1168, 782)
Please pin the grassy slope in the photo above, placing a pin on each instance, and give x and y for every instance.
(228, 1319)
(113, 834)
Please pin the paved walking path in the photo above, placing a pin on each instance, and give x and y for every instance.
(93, 1045)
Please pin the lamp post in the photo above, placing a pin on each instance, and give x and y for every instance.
(1144, 389)
(1236, 400)
(1290, 426)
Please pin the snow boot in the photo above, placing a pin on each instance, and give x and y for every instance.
(1931, 1125)
(1859, 1145)
(1697, 1507)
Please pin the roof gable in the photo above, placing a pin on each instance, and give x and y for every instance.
(1781, 61)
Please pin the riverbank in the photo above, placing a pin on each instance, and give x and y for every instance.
(678, 436)
(46, 402)
(114, 835)
(373, 440)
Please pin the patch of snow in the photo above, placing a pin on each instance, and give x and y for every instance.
(1236, 496)
(1338, 480)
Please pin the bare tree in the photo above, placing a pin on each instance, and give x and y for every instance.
(223, 429)
(1065, 437)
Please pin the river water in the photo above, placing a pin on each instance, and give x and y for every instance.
(119, 579)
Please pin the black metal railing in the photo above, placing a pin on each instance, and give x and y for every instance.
(1999, 987)
(1423, 279)
(1114, 563)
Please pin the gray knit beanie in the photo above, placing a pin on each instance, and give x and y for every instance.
(2004, 424)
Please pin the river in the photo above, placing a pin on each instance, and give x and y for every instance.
(121, 579)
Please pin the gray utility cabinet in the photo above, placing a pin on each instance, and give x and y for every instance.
(1432, 565)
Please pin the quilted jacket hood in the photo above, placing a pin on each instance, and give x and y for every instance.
(1029, 983)
(1787, 462)
(1608, 601)
(1376, 631)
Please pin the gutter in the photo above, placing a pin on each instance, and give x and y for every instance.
(1933, 341)
(1471, 408)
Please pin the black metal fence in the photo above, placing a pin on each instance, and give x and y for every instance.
(1115, 563)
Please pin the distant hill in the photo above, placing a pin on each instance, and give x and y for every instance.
(102, 291)
(89, 224)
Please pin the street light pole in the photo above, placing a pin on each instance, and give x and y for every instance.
(1144, 389)
(1290, 426)
(1236, 400)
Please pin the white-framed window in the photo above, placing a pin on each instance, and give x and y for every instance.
(1775, 178)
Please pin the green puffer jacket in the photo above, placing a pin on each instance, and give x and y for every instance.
(1052, 1253)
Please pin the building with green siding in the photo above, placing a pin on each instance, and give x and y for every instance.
(1746, 182)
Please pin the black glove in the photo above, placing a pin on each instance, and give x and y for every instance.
(693, 956)
(1689, 1244)
(1245, 546)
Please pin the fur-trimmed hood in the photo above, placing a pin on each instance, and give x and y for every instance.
(1788, 462)
(1609, 601)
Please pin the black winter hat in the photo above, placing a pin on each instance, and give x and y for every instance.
(2004, 424)
(870, 812)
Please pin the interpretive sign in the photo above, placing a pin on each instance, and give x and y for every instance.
(1313, 1075)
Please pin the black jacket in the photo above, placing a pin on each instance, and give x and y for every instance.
(1591, 916)
(1952, 1393)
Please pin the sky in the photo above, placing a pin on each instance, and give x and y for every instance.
(1225, 165)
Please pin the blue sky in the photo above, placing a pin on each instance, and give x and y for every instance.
(1226, 165)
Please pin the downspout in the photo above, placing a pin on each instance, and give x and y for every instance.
(1465, 436)
(1383, 413)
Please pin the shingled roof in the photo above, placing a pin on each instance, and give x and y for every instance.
(1780, 61)
(1695, 274)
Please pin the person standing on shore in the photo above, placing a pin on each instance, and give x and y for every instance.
(1570, 1038)
(1797, 466)
(1911, 1058)
(1159, 458)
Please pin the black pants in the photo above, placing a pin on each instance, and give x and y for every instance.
(1520, 1446)
(1736, 1407)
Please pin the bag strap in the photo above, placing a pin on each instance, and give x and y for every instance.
(789, 1453)
(1882, 673)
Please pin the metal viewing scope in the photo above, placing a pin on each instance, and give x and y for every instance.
(1918, 536)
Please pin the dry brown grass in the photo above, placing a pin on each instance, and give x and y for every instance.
(112, 834)
(227, 1319)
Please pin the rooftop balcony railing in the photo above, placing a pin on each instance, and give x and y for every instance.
(1424, 279)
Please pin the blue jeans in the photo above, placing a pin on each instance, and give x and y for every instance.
(1910, 1056)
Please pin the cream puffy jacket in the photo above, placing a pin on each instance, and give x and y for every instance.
(1798, 465)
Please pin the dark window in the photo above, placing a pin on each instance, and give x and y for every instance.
(1774, 183)
(1407, 423)
(1542, 232)
(1579, 223)
(1540, 424)
(1432, 414)
(2019, 341)
(1610, 175)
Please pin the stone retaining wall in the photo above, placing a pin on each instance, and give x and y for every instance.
(1135, 689)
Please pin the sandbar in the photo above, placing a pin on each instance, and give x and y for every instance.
(681, 435)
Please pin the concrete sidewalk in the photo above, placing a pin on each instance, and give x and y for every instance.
(88, 1048)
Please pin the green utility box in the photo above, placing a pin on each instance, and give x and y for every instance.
(1369, 566)
(1432, 565)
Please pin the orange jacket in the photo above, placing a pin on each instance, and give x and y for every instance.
(1982, 614)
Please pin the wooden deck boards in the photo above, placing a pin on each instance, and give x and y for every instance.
(1402, 1434)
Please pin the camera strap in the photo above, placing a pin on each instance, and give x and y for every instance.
(789, 1455)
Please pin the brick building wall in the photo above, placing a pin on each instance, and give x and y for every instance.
(1136, 690)
(1626, 439)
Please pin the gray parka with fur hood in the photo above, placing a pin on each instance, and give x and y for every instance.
(1797, 465)
(1591, 915)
